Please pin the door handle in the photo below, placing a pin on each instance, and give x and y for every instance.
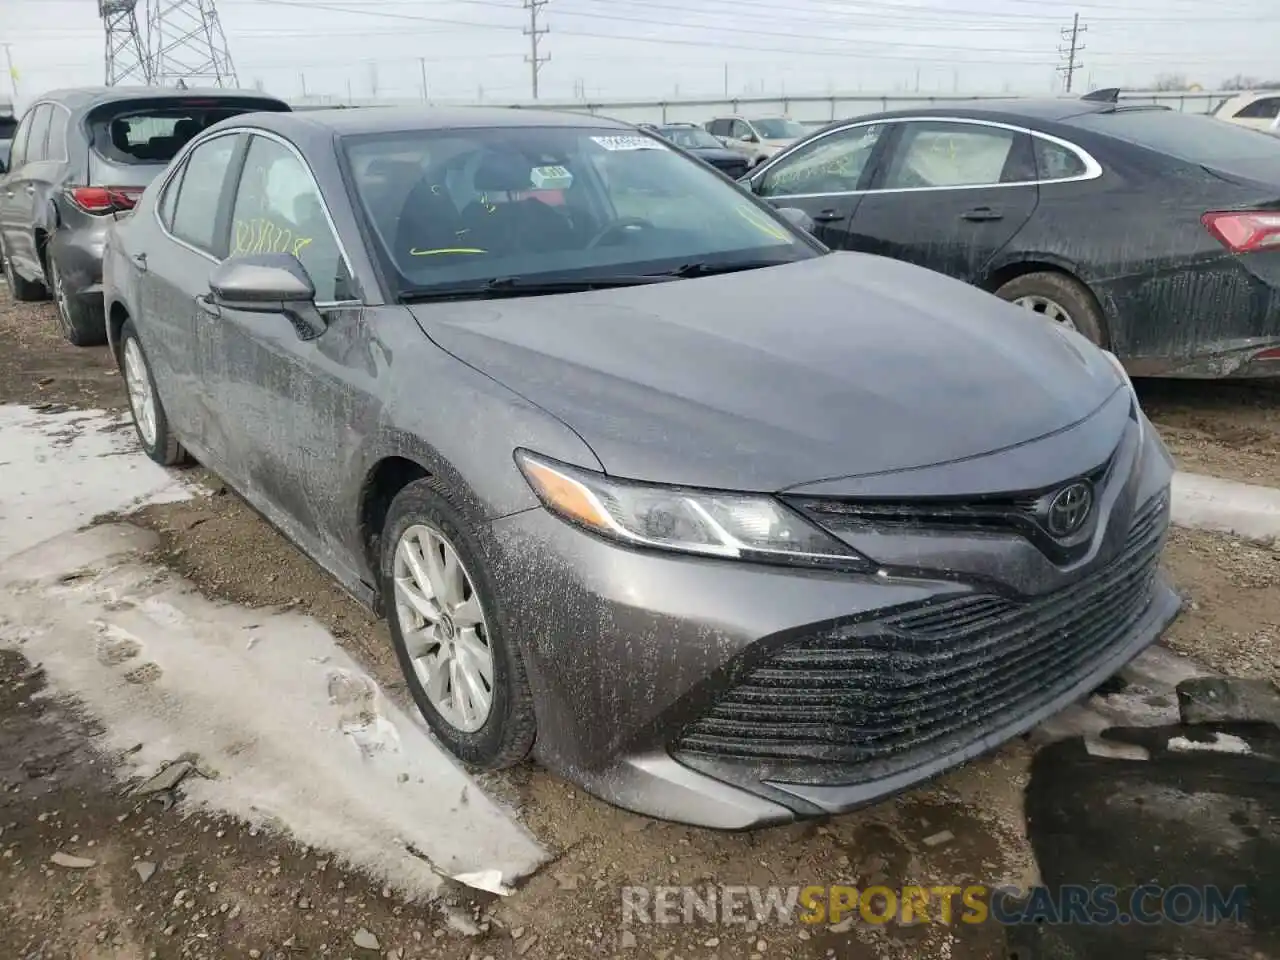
(31, 189)
(9, 194)
(828, 216)
(981, 214)
(140, 261)
(208, 306)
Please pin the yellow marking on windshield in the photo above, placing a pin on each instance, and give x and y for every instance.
(415, 252)
(757, 219)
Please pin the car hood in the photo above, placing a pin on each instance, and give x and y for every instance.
(841, 365)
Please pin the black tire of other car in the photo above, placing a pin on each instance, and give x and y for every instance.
(22, 291)
(508, 732)
(135, 368)
(1072, 297)
(81, 322)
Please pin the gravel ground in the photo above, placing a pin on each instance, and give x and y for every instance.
(242, 894)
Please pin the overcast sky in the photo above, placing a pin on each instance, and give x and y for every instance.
(661, 48)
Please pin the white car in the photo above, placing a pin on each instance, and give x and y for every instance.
(757, 138)
(1259, 110)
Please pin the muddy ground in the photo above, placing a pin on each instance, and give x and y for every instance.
(220, 890)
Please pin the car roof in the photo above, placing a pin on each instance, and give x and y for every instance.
(85, 97)
(1051, 110)
(365, 120)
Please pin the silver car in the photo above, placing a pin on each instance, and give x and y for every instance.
(649, 484)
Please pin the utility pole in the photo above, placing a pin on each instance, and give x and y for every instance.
(726, 81)
(535, 34)
(1071, 36)
(422, 65)
(302, 77)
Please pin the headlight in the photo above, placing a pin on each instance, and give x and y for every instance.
(739, 526)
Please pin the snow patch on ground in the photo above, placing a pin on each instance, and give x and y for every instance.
(296, 734)
(60, 470)
(1221, 743)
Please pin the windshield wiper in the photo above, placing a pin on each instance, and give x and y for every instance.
(521, 287)
(705, 269)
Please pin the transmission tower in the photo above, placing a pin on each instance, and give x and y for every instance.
(126, 55)
(187, 44)
(1071, 37)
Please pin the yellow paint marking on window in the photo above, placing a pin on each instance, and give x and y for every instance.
(756, 219)
(261, 235)
(415, 252)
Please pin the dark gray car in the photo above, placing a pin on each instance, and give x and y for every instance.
(78, 158)
(727, 528)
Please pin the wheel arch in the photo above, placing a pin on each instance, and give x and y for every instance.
(117, 317)
(1020, 266)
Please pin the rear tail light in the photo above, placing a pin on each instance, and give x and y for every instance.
(102, 200)
(1245, 232)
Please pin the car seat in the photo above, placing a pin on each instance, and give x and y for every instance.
(428, 221)
(507, 225)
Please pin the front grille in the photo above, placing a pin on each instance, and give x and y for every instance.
(883, 695)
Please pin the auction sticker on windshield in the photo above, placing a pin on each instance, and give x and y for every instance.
(628, 143)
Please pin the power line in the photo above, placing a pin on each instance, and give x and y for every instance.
(535, 33)
(1072, 35)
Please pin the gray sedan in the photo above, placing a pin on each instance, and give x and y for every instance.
(726, 527)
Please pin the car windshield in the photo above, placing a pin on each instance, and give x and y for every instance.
(1196, 139)
(689, 137)
(778, 128)
(467, 206)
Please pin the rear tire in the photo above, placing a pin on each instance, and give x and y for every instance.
(149, 419)
(22, 291)
(464, 627)
(81, 322)
(1060, 298)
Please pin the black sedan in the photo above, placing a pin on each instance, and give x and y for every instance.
(1156, 234)
(695, 140)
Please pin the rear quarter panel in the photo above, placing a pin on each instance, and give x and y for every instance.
(1165, 285)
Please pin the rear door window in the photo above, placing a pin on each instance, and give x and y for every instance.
(831, 164)
(933, 154)
(195, 216)
(18, 153)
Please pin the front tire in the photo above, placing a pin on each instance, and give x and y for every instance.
(83, 324)
(464, 674)
(22, 291)
(149, 419)
(1060, 298)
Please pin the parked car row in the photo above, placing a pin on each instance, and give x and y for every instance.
(724, 522)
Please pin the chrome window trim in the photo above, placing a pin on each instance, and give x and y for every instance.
(1092, 171)
(179, 161)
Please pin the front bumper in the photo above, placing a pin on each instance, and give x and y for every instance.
(651, 672)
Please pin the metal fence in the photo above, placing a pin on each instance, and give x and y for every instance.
(805, 109)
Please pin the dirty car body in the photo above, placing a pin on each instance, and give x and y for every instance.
(1164, 227)
(79, 157)
(769, 531)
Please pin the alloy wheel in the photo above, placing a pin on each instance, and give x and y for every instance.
(60, 297)
(142, 398)
(444, 627)
(1047, 308)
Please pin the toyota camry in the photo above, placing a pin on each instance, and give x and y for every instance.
(649, 484)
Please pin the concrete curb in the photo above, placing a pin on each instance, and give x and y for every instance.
(1211, 503)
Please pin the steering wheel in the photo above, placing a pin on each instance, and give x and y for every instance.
(617, 226)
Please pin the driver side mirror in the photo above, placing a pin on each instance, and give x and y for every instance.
(750, 138)
(274, 283)
(798, 218)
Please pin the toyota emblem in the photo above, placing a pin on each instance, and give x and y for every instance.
(1069, 509)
